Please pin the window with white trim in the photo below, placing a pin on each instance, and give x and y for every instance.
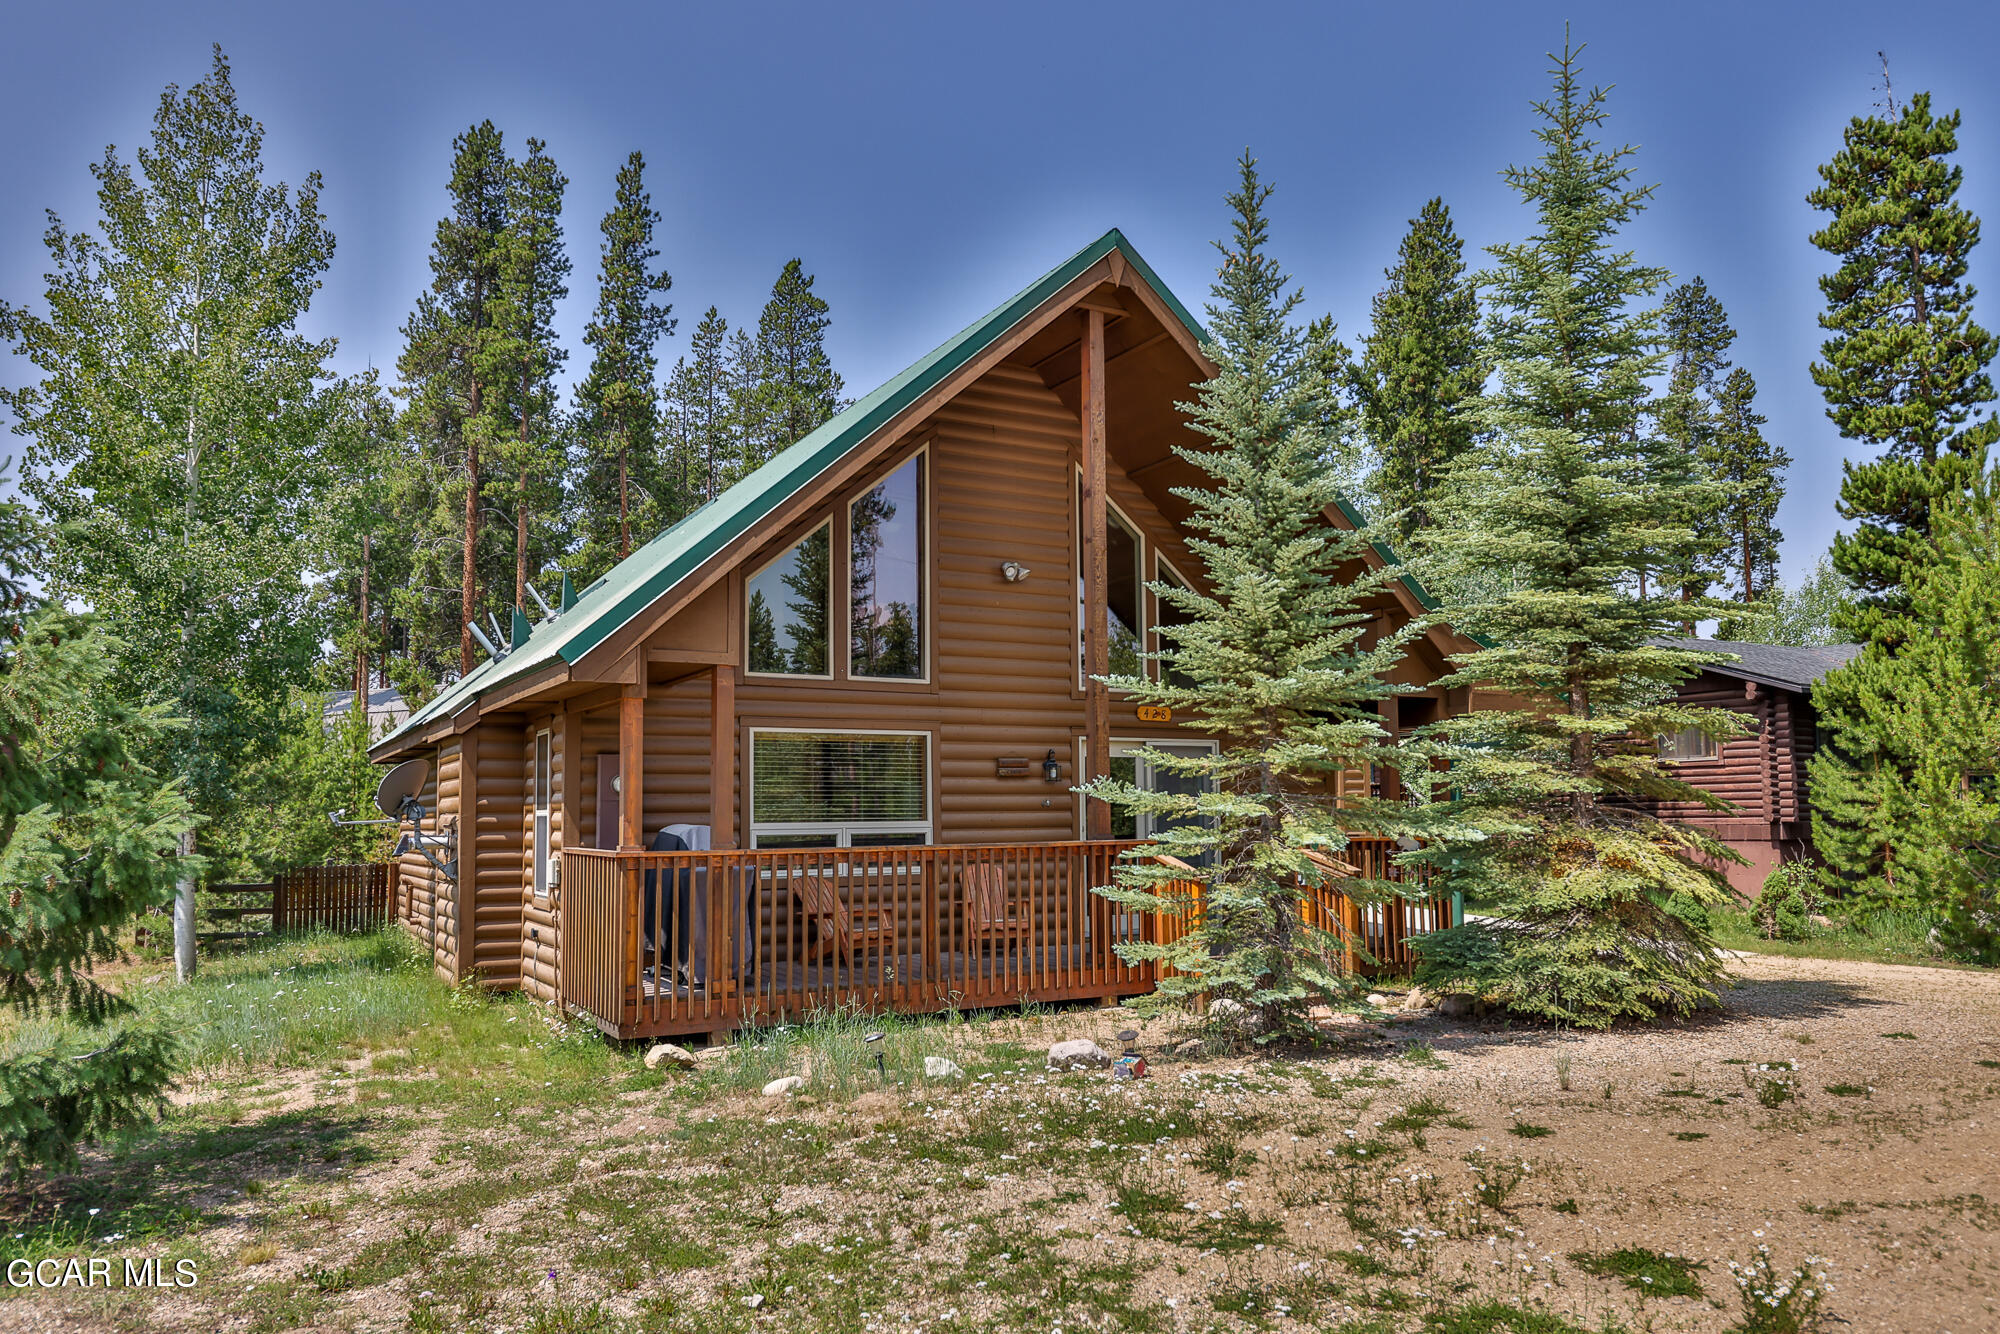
(1166, 613)
(838, 789)
(885, 576)
(543, 784)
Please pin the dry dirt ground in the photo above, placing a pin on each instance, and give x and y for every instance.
(1440, 1172)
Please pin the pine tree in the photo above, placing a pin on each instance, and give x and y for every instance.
(700, 414)
(448, 367)
(797, 388)
(1750, 472)
(1905, 370)
(523, 360)
(1907, 791)
(1275, 658)
(617, 407)
(89, 834)
(1687, 420)
(176, 432)
(1420, 365)
(1598, 907)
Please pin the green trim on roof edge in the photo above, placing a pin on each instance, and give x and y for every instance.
(645, 576)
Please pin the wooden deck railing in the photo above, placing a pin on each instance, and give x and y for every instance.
(685, 942)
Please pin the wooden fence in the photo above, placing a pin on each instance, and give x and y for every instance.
(352, 897)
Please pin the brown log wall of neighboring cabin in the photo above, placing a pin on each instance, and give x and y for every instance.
(431, 904)
(1763, 773)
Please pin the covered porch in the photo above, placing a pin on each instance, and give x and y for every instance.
(655, 944)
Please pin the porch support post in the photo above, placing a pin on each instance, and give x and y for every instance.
(722, 757)
(1096, 618)
(632, 768)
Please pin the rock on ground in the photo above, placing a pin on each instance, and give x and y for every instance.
(1454, 1007)
(1078, 1054)
(778, 1088)
(939, 1067)
(668, 1053)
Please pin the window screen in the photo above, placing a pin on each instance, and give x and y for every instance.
(1687, 744)
(839, 778)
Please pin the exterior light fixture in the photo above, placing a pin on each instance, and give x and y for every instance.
(1052, 767)
(873, 1041)
(1013, 571)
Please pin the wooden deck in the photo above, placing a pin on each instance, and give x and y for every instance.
(654, 944)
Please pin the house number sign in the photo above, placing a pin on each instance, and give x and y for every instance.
(1153, 713)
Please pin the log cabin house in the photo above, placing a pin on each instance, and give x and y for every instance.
(1763, 772)
(856, 687)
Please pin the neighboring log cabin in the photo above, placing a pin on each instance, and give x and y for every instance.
(856, 688)
(1764, 772)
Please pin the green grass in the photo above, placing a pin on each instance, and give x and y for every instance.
(1528, 1130)
(1880, 937)
(1652, 1272)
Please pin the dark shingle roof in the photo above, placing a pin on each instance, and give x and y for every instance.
(1793, 666)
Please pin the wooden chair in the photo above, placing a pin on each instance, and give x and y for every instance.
(990, 917)
(840, 930)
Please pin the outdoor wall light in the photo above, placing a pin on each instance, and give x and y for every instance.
(1052, 768)
(1013, 571)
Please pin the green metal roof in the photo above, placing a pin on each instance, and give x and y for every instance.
(639, 580)
(642, 578)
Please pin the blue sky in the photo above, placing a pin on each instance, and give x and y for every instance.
(927, 160)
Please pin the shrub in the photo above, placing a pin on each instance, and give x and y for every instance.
(1788, 902)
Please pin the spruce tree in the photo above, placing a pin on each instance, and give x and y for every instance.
(1274, 656)
(1750, 472)
(1420, 365)
(1697, 337)
(524, 358)
(89, 839)
(1598, 907)
(1905, 368)
(617, 405)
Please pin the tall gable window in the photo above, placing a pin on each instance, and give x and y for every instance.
(787, 618)
(1124, 590)
(1169, 614)
(885, 571)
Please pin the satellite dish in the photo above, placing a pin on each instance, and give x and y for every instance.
(401, 783)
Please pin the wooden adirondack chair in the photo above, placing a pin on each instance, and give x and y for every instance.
(840, 930)
(990, 917)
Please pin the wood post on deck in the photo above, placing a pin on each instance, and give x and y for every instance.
(632, 767)
(722, 757)
(1096, 616)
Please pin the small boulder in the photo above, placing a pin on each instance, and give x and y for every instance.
(754, 1300)
(667, 1053)
(1455, 1007)
(939, 1067)
(1192, 1047)
(1078, 1054)
(778, 1088)
(1822, 921)
(1320, 1014)
(711, 1053)
(1377, 999)
(1416, 1000)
